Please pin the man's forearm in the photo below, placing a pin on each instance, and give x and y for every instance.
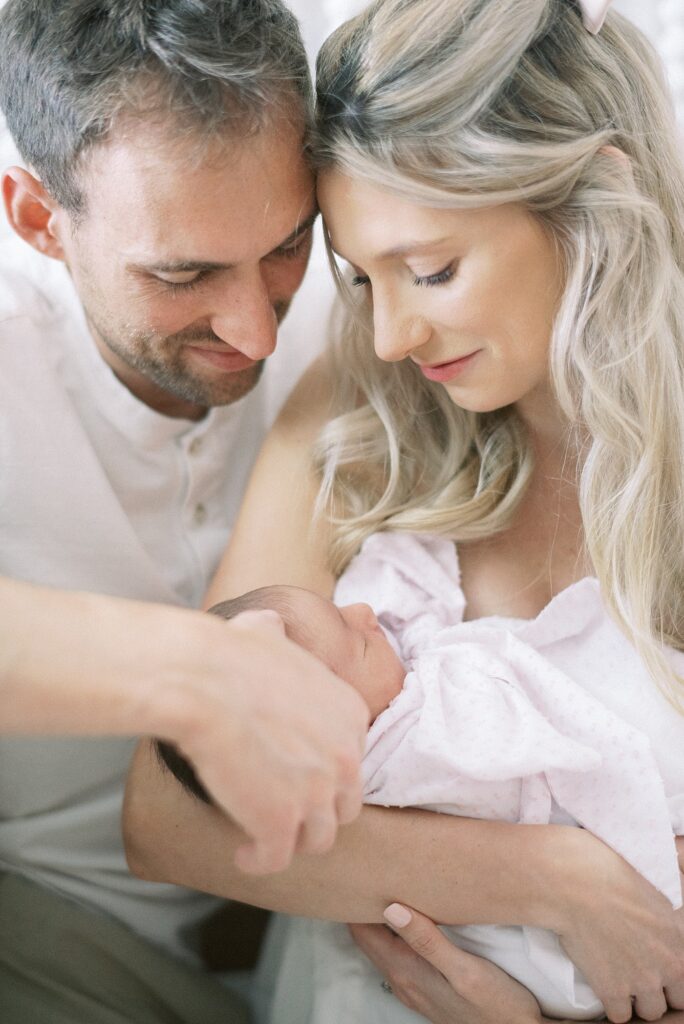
(75, 663)
(452, 869)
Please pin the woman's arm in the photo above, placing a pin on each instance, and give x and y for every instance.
(618, 930)
(275, 539)
(454, 870)
(478, 870)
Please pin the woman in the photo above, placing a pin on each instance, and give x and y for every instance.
(507, 189)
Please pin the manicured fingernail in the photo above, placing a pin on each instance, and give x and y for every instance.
(397, 916)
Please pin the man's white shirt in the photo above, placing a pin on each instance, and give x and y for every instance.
(99, 493)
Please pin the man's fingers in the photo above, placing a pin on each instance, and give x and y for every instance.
(318, 832)
(350, 800)
(264, 619)
(264, 857)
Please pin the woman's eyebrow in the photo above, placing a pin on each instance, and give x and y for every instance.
(409, 248)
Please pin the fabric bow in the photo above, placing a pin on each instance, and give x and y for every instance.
(594, 14)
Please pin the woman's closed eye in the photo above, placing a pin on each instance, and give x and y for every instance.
(424, 281)
(431, 280)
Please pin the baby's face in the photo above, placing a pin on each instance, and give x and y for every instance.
(351, 642)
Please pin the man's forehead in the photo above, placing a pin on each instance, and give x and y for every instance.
(185, 205)
(154, 147)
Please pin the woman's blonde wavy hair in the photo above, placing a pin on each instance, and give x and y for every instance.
(467, 103)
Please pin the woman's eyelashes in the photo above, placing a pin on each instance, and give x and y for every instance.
(430, 280)
(425, 281)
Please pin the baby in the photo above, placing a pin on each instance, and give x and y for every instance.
(349, 640)
(484, 724)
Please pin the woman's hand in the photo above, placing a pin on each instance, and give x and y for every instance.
(620, 932)
(430, 975)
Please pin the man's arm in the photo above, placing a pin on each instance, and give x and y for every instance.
(275, 737)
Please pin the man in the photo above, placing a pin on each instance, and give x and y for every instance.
(165, 181)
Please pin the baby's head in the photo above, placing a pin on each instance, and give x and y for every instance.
(348, 640)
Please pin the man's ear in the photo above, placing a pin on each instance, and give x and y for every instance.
(32, 212)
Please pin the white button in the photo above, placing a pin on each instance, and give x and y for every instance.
(200, 515)
(195, 446)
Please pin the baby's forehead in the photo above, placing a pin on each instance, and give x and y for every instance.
(307, 604)
(314, 623)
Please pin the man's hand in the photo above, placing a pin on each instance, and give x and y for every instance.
(275, 737)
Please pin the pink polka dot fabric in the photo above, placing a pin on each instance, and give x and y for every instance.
(553, 719)
(505, 718)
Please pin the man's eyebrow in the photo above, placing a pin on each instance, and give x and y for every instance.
(178, 266)
(299, 230)
(199, 266)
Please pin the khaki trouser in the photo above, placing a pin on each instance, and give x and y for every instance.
(62, 964)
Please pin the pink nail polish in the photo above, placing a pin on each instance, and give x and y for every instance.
(397, 916)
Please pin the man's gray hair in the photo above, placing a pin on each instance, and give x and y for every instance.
(70, 68)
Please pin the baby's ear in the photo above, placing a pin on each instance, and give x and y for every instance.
(261, 619)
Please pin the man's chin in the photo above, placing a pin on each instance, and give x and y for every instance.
(231, 387)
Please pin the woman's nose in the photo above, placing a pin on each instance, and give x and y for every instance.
(397, 333)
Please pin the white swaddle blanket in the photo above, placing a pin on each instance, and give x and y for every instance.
(553, 719)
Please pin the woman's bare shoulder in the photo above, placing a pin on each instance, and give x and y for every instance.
(277, 537)
(310, 403)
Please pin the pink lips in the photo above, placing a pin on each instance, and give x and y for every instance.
(443, 372)
(230, 361)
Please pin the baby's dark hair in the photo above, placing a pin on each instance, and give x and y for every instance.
(277, 599)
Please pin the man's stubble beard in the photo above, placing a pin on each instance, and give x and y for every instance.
(140, 351)
(172, 374)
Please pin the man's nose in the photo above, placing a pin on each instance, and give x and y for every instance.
(245, 317)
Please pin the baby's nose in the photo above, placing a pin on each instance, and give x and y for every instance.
(364, 616)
